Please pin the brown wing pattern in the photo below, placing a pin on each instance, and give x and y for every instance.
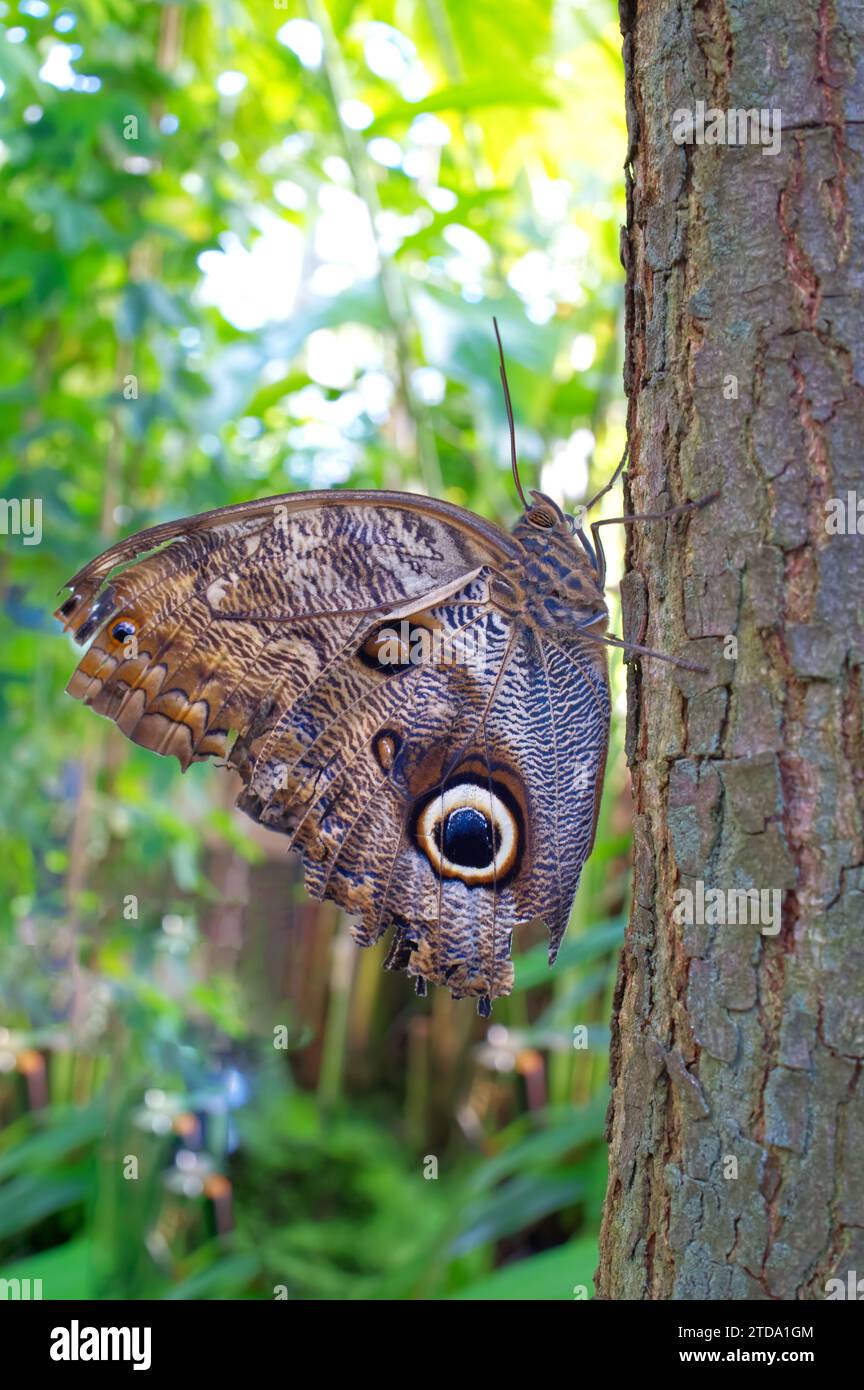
(203, 635)
(346, 770)
(415, 745)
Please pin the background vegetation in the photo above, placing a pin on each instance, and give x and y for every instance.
(245, 248)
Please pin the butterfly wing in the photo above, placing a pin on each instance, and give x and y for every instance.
(571, 709)
(234, 611)
(452, 796)
(415, 745)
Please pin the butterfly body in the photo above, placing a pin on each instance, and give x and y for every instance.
(414, 697)
(554, 579)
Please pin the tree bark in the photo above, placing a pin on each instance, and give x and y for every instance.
(737, 1116)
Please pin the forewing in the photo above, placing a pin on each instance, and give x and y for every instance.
(221, 628)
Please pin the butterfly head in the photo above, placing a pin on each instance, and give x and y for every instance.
(556, 580)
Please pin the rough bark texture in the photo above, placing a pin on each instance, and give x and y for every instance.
(730, 1044)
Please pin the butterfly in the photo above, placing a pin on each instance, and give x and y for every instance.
(418, 699)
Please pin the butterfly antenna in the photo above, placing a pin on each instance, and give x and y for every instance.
(503, 370)
(612, 481)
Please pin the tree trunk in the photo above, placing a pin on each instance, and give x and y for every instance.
(737, 1117)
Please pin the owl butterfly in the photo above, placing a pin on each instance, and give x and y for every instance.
(417, 699)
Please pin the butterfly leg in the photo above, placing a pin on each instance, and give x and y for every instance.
(647, 651)
(641, 516)
(587, 623)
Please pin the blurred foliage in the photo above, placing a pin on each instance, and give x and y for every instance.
(248, 248)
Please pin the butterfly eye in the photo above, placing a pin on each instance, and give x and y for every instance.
(469, 832)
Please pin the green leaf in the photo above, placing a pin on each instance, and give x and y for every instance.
(56, 1134)
(516, 1205)
(532, 968)
(65, 1271)
(551, 1276)
(468, 96)
(225, 1278)
(564, 1131)
(25, 1201)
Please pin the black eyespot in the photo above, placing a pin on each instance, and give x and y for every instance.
(67, 607)
(122, 631)
(397, 646)
(467, 839)
(471, 827)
